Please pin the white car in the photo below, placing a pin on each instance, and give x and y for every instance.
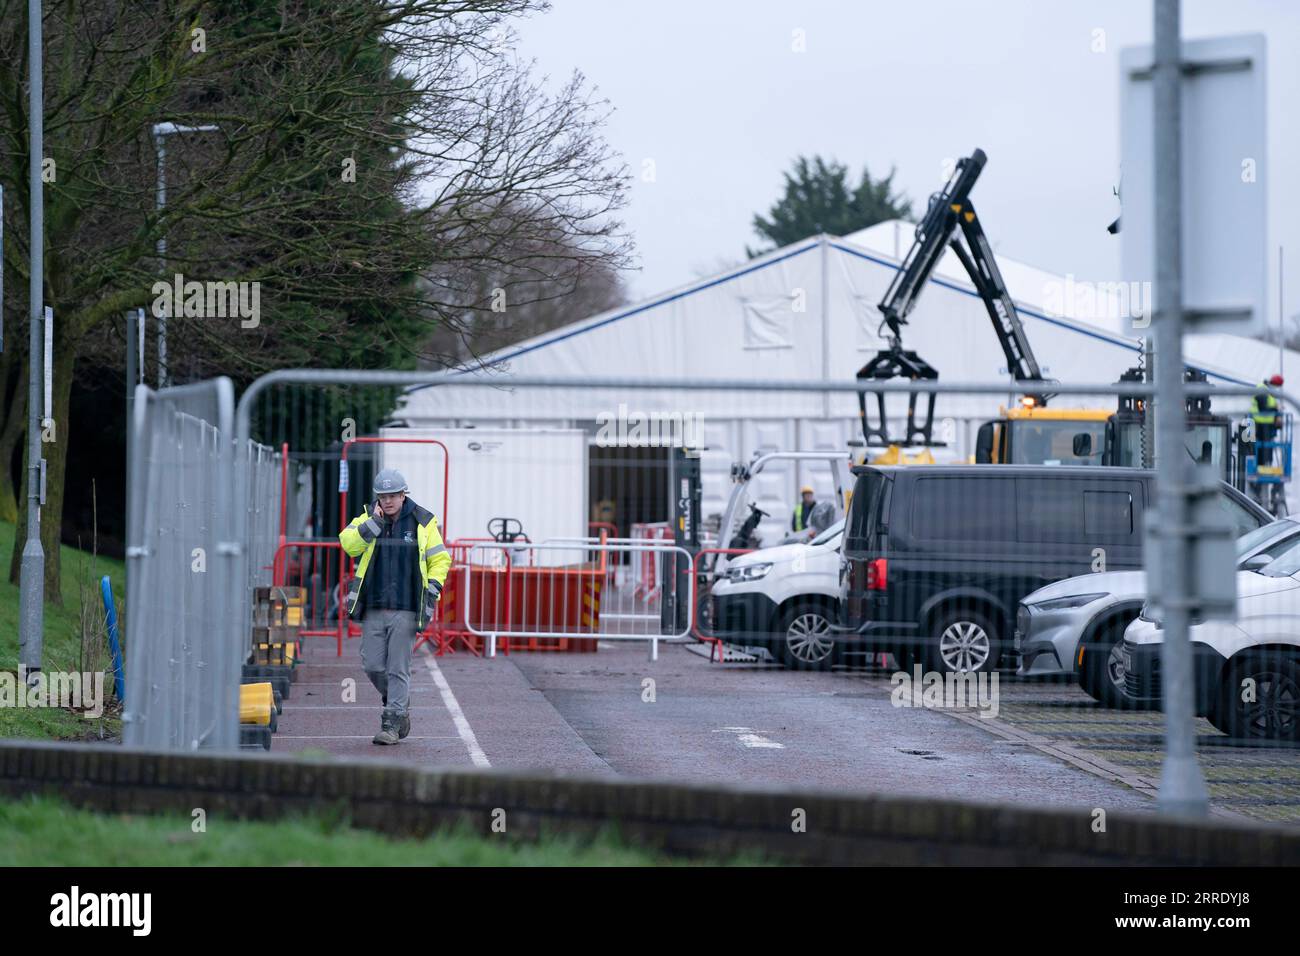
(1076, 626)
(1247, 672)
(784, 599)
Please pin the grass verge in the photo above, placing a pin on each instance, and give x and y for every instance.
(62, 650)
(43, 831)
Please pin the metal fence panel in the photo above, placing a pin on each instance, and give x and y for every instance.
(651, 565)
(182, 665)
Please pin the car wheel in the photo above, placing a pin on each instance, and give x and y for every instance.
(962, 642)
(1102, 673)
(1266, 708)
(704, 615)
(804, 640)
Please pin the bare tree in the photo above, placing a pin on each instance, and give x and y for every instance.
(372, 161)
(533, 285)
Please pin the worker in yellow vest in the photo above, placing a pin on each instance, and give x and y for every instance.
(397, 585)
(1263, 411)
(803, 509)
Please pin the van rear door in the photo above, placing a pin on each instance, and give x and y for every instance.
(864, 541)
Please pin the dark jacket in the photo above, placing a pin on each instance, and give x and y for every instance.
(395, 567)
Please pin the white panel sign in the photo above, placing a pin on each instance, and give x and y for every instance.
(1224, 226)
(538, 477)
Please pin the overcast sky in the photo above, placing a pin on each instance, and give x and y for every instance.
(713, 93)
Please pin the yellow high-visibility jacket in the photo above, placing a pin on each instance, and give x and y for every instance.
(358, 540)
(1263, 409)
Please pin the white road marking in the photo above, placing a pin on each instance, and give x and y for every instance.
(463, 728)
(282, 736)
(750, 738)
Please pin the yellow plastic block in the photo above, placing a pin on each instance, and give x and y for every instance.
(256, 702)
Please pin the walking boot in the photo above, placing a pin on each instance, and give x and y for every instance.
(387, 730)
(404, 726)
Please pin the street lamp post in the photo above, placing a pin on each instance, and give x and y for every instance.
(160, 133)
(31, 596)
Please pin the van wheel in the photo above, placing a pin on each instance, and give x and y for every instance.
(1274, 711)
(1102, 673)
(963, 641)
(804, 640)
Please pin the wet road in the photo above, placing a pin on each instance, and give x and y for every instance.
(615, 712)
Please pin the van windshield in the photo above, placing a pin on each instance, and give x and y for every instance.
(864, 510)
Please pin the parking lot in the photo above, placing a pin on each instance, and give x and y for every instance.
(1251, 779)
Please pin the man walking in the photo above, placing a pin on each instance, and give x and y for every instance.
(397, 585)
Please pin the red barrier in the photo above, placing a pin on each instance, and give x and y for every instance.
(309, 565)
(645, 567)
(506, 597)
(446, 472)
(695, 569)
(284, 492)
(347, 565)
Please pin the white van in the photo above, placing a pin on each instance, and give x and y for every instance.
(784, 599)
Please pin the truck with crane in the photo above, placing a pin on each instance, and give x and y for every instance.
(1032, 432)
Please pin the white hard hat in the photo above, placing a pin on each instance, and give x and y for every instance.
(389, 482)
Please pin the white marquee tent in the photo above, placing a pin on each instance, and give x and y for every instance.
(808, 312)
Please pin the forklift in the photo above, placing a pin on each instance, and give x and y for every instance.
(1031, 433)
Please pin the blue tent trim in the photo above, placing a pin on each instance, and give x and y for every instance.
(654, 304)
(858, 253)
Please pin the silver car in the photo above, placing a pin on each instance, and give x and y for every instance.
(1076, 626)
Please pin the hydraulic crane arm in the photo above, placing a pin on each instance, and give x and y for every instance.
(982, 268)
(936, 231)
(949, 210)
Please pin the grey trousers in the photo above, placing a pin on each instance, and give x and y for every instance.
(387, 640)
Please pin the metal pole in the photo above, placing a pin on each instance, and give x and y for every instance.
(160, 249)
(1149, 411)
(1182, 786)
(826, 323)
(132, 378)
(32, 577)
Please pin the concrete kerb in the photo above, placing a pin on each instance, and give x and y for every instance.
(692, 820)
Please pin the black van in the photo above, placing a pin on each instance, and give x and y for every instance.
(937, 557)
